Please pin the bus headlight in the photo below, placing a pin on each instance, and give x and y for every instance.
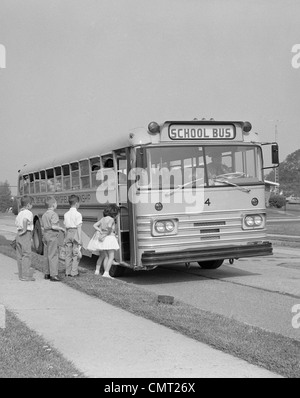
(258, 220)
(249, 221)
(254, 221)
(160, 227)
(169, 226)
(165, 227)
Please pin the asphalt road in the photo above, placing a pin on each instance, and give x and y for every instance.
(257, 291)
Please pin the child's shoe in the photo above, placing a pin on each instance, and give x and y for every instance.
(97, 272)
(106, 275)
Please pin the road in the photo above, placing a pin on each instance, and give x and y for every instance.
(257, 291)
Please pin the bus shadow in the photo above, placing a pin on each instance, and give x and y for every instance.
(173, 273)
(179, 273)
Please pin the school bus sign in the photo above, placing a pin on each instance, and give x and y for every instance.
(201, 132)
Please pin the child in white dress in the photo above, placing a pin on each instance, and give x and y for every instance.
(104, 240)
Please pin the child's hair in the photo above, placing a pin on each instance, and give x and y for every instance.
(111, 210)
(73, 199)
(50, 201)
(26, 200)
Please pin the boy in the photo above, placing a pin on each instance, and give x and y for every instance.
(50, 223)
(24, 224)
(73, 224)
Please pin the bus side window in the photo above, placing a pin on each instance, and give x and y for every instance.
(84, 174)
(95, 167)
(21, 186)
(26, 185)
(75, 175)
(66, 177)
(31, 183)
(43, 182)
(50, 180)
(37, 182)
(58, 179)
(108, 162)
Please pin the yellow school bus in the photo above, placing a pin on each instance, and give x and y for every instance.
(189, 191)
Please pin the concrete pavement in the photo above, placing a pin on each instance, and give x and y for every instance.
(103, 341)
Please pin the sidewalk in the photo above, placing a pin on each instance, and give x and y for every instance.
(106, 342)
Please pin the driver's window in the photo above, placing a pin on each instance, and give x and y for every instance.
(227, 160)
(239, 161)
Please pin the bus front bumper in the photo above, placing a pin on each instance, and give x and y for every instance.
(154, 259)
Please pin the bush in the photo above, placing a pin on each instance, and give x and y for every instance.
(277, 201)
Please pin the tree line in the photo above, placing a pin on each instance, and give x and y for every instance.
(6, 200)
(289, 174)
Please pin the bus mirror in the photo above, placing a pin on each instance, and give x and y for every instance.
(141, 159)
(275, 154)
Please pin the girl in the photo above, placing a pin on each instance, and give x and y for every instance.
(104, 240)
(110, 242)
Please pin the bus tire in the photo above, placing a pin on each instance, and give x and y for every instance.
(116, 270)
(38, 238)
(213, 264)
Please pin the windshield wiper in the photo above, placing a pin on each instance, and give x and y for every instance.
(182, 186)
(224, 181)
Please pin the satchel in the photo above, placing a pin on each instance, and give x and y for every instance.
(13, 244)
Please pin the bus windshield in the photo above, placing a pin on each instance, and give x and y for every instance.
(195, 166)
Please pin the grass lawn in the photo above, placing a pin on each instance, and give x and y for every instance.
(288, 228)
(24, 354)
(259, 347)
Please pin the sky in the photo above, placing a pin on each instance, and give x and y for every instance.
(80, 71)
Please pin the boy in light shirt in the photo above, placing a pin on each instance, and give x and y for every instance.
(24, 224)
(73, 224)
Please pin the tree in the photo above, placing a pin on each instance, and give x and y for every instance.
(289, 174)
(5, 196)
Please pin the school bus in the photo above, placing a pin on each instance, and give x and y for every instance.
(189, 191)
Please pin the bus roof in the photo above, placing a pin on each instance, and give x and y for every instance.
(204, 121)
(102, 149)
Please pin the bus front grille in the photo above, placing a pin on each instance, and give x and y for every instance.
(223, 228)
(210, 237)
(209, 223)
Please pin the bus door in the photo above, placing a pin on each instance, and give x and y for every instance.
(121, 162)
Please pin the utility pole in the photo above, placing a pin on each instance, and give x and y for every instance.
(276, 168)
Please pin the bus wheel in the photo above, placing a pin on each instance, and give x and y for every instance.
(38, 238)
(213, 264)
(116, 270)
